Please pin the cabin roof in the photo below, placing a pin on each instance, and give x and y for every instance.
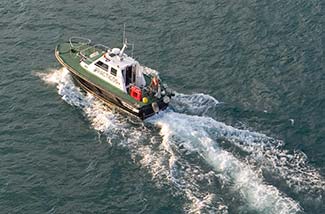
(117, 61)
(116, 58)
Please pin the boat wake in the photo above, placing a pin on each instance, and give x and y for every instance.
(215, 167)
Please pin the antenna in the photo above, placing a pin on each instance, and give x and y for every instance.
(123, 33)
(132, 49)
(125, 43)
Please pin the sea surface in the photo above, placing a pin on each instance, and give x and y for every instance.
(245, 132)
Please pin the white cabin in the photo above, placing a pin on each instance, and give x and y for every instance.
(118, 69)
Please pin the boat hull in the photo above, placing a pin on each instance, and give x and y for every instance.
(110, 98)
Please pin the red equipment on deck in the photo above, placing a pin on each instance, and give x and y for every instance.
(136, 93)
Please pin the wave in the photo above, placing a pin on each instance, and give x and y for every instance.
(268, 156)
(186, 152)
(198, 104)
(196, 134)
(152, 155)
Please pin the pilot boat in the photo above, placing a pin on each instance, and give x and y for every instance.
(114, 77)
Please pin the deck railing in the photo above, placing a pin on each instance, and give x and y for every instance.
(85, 49)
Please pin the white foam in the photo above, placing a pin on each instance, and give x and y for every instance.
(292, 167)
(163, 158)
(264, 152)
(155, 156)
(54, 76)
(198, 104)
(194, 130)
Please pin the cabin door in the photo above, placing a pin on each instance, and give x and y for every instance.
(129, 75)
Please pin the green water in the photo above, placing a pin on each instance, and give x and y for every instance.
(236, 65)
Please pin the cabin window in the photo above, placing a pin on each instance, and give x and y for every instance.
(102, 65)
(113, 71)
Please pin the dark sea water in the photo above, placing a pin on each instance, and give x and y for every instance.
(245, 133)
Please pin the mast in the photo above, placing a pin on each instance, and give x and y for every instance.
(123, 34)
(125, 43)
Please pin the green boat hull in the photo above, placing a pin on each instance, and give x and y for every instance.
(103, 90)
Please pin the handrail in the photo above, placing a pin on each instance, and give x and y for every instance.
(81, 45)
(104, 47)
(82, 40)
(97, 46)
